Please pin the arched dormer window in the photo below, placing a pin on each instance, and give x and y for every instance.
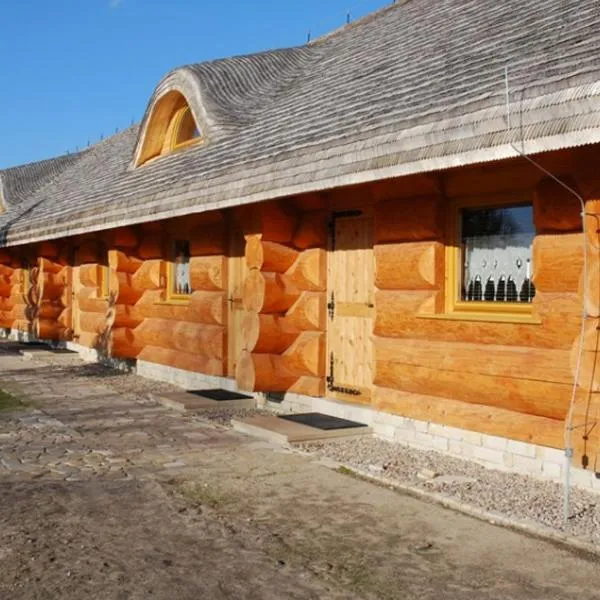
(171, 127)
(185, 130)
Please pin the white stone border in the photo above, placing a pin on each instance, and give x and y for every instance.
(186, 379)
(490, 451)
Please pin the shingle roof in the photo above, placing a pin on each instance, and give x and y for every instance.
(20, 183)
(416, 87)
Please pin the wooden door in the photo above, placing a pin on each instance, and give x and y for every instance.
(237, 270)
(350, 307)
(75, 289)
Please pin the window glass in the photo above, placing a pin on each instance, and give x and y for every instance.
(496, 254)
(181, 268)
(187, 129)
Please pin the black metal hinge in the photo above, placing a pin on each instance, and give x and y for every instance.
(331, 307)
(332, 387)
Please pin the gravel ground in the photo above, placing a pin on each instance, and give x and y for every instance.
(510, 494)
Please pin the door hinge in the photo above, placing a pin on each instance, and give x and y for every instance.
(330, 379)
(331, 307)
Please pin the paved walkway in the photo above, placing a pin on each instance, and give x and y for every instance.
(104, 494)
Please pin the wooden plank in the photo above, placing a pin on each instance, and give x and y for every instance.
(518, 362)
(237, 270)
(541, 398)
(396, 316)
(474, 417)
(353, 309)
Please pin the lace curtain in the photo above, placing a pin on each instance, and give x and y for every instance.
(182, 283)
(497, 262)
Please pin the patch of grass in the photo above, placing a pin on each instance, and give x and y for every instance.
(9, 402)
(204, 495)
(345, 471)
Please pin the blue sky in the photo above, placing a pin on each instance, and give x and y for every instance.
(74, 70)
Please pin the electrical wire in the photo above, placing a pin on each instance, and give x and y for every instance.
(568, 434)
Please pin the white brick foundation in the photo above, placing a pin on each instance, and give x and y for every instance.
(488, 450)
(185, 379)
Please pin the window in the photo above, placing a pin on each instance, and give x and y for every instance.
(185, 130)
(489, 258)
(180, 285)
(171, 126)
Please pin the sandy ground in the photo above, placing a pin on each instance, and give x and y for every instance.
(105, 495)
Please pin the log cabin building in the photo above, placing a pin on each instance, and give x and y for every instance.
(368, 224)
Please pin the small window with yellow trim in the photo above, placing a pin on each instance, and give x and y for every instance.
(179, 280)
(489, 259)
(184, 131)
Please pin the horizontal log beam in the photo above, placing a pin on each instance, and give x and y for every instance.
(557, 262)
(518, 362)
(409, 266)
(544, 399)
(182, 360)
(560, 315)
(312, 230)
(269, 256)
(475, 417)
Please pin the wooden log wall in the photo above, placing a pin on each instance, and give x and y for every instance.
(284, 298)
(10, 290)
(190, 333)
(508, 379)
(88, 308)
(52, 294)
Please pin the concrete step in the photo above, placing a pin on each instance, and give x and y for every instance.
(41, 352)
(276, 429)
(187, 401)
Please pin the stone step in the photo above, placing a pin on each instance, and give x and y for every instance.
(191, 401)
(283, 431)
(41, 352)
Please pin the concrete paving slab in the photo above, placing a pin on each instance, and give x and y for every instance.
(274, 429)
(186, 401)
(40, 352)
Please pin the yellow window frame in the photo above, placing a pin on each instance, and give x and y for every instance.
(175, 127)
(455, 307)
(171, 295)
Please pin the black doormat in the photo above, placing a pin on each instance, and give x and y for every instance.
(219, 395)
(321, 421)
(35, 345)
(61, 350)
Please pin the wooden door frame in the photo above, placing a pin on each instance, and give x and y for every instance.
(236, 241)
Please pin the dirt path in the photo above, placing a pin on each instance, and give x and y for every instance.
(104, 495)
